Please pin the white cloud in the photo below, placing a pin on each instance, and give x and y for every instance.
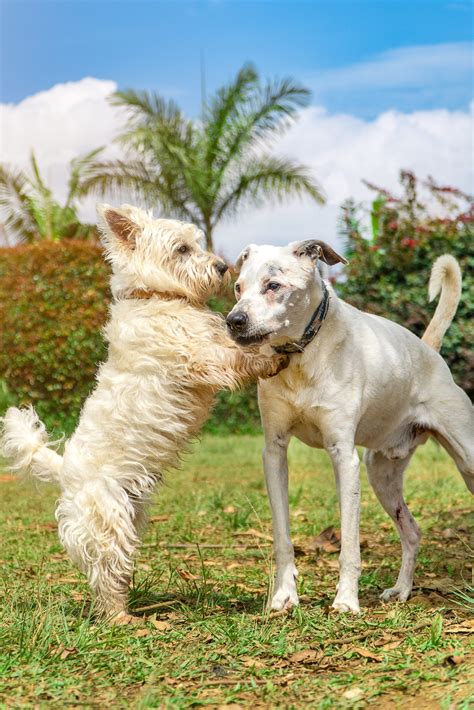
(403, 67)
(59, 124)
(407, 78)
(341, 150)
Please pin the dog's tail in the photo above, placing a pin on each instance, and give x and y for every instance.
(24, 443)
(445, 277)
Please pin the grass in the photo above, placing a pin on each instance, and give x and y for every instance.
(203, 573)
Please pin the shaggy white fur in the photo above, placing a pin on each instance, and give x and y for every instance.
(168, 355)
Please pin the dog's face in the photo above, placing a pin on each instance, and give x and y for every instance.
(163, 255)
(274, 290)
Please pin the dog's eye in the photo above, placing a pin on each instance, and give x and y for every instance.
(183, 249)
(237, 288)
(273, 286)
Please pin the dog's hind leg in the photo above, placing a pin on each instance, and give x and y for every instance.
(454, 429)
(97, 527)
(386, 478)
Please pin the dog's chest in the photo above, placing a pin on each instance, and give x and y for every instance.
(304, 400)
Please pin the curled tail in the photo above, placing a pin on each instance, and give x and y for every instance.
(445, 277)
(24, 443)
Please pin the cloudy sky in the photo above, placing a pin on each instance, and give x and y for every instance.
(391, 83)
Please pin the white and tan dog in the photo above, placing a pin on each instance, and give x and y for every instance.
(354, 379)
(168, 355)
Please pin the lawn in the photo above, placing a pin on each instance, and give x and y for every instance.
(202, 578)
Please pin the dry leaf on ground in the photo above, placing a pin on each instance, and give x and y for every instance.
(465, 627)
(309, 655)
(453, 660)
(141, 632)
(254, 533)
(365, 653)
(62, 652)
(329, 540)
(160, 625)
(186, 574)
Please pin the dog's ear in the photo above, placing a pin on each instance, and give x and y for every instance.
(117, 223)
(317, 249)
(242, 257)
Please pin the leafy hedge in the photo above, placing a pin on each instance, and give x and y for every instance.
(53, 303)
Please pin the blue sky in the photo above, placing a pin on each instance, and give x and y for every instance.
(360, 57)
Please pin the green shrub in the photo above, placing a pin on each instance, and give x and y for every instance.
(6, 398)
(53, 303)
(389, 269)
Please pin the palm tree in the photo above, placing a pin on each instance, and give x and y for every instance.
(204, 171)
(29, 211)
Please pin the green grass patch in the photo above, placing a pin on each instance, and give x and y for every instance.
(203, 576)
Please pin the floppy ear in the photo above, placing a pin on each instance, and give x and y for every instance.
(242, 257)
(117, 223)
(317, 249)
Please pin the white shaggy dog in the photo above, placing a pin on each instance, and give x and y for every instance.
(168, 355)
(353, 379)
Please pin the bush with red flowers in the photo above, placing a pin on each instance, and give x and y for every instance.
(390, 263)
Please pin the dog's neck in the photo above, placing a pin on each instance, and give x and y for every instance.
(309, 322)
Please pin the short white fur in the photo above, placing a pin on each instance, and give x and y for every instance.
(363, 380)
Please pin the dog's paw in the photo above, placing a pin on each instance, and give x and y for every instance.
(400, 594)
(286, 595)
(284, 599)
(346, 604)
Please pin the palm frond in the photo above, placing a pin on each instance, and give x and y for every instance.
(137, 179)
(269, 112)
(224, 107)
(39, 185)
(79, 171)
(15, 204)
(146, 107)
(269, 178)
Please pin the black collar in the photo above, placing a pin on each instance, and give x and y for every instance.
(311, 330)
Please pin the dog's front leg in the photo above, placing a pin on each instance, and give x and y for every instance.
(275, 462)
(230, 366)
(345, 461)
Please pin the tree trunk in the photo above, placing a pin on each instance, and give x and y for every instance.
(208, 235)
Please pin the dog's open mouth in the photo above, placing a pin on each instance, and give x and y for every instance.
(254, 339)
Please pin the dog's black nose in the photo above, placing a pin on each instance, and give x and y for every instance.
(237, 320)
(221, 267)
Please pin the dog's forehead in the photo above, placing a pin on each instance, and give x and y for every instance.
(266, 260)
(173, 230)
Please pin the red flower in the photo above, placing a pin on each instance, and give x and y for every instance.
(393, 224)
(410, 243)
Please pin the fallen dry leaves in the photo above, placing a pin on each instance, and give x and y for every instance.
(365, 653)
(466, 627)
(254, 533)
(329, 540)
(309, 655)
